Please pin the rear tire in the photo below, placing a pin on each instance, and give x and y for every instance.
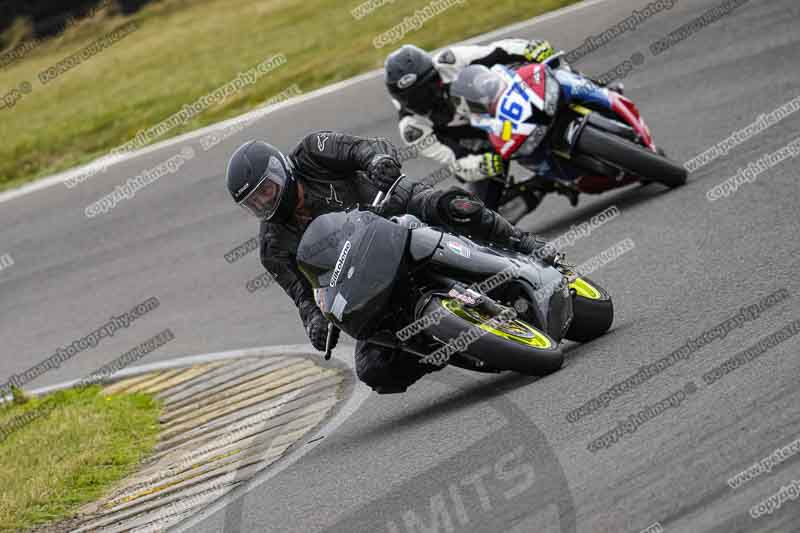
(592, 312)
(631, 157)
(529, 352)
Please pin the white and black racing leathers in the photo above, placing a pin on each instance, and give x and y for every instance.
(445, 135)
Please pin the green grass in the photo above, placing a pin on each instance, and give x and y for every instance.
(185, 49)
(81, 445)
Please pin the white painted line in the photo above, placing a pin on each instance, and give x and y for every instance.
(55, 179)
(190, 360)
(360, 393)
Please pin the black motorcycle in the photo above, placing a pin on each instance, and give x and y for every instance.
(446, 298)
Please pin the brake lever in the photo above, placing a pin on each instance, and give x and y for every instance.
(329, 341)
(381, 198)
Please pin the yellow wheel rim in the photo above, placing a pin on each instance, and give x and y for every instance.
(514, 330)
(584, 289)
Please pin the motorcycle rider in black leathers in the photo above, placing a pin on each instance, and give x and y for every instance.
(429, 120)
(330, 171)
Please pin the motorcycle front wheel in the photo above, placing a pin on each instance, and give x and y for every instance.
(592, 311)
(631, 157)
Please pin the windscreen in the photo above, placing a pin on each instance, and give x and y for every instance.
(479, 87)
(352, 260)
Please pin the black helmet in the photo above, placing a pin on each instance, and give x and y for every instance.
(413, 81)
(261, 180)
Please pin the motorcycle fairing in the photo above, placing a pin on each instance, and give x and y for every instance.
(581, 90)
(509, 125)
(354, 268)
(627, 111)
(466, 257)
(552, 306)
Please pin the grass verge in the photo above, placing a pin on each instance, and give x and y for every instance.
(76, 444)
(184, 49)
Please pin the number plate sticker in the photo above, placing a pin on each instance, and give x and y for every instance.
(515, 104)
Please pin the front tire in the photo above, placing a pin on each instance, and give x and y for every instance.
(631, 157)
(592, 311)
(516, 345)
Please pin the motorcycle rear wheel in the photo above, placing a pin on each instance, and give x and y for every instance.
(514, 345)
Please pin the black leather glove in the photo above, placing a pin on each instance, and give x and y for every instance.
(383, 171)
(317, 331)
(528, 243)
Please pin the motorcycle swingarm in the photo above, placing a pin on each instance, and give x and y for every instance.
(465, 295)
(415, 349)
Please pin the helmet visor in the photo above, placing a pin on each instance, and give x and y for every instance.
(266, 196)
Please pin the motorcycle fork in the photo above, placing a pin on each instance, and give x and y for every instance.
(514, 190)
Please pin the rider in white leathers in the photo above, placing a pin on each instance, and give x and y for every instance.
(429, 120)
